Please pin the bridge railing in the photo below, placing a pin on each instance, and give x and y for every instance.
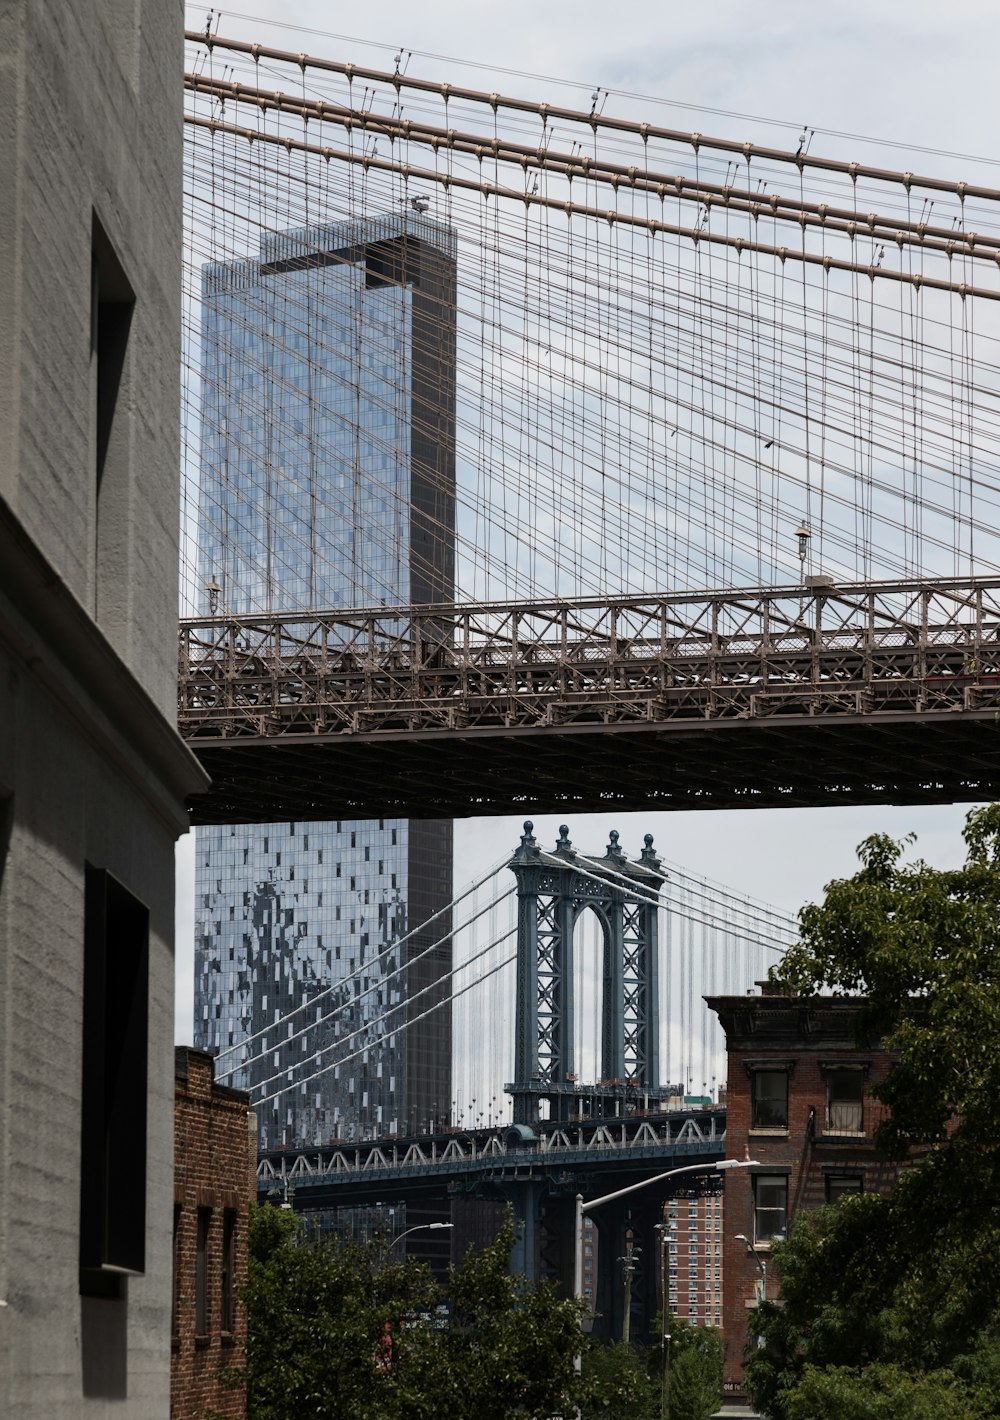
(860, 649)
(384, 1156)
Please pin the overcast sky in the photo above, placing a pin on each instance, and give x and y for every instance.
(864, 76)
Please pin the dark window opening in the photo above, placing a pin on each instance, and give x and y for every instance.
(770, 1099)
(201, 1273)
(111, 307)
(838, 1186)
(115, 1035)
(6, 827)
(227, 1306)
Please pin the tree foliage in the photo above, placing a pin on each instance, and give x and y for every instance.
(618, 1384)
(337, 1331)
(899, 1296)
(884, 1392)
(622, 1382)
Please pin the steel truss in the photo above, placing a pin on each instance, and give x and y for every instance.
(714, 700)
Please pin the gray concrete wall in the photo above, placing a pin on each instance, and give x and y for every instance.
(91, 769)
(90, 111)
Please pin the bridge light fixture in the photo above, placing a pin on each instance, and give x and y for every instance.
(803, 534)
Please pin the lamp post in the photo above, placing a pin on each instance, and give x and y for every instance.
(722, 1166)
(416, 1229)
(664, 1233)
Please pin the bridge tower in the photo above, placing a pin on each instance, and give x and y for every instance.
(554, 889)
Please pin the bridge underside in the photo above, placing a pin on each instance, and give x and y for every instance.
(785, 762)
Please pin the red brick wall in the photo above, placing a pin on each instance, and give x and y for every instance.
(215, 1170)
(809, 1039)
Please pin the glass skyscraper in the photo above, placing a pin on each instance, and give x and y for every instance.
(328, 480)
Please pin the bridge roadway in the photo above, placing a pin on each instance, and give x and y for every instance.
(470, 1160)
(538, 1179)
(821, 695)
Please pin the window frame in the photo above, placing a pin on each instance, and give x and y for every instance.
(761, 1180)
(850, 1109)
(760, 1105)
(832, 1180)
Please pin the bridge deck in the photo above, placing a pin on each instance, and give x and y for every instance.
(485, 1158)
(752, 699)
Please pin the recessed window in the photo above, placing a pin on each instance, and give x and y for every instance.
(201, 1273)
(227, 1319)
(838, 1186)
(769, 1099)
(112, 304)
(844, 1101)
(115, 1037)
(770, 1206)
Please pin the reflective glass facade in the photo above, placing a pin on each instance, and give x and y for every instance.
(327, 479)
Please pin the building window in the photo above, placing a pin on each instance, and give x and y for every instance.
(770, 1099)
(840, 1185)
(844, 1097)
(770, 1206)
(112, 304)
(227, 1320)
(201, 1273)
(115, 1036)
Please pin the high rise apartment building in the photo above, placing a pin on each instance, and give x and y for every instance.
(328, 481)
(694, 1257)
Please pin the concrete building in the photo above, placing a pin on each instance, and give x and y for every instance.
(215, 1182)
(93, 776)
(799, 1101)
(328, 480)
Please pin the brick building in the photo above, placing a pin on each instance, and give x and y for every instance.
(215, 1161)
(694, 1262)
(799, 1101)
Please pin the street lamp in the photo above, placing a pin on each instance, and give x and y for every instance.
(664, 1232)
(416, 1229)
(581, 1207)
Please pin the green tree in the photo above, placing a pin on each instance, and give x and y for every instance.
(618, 1384)
(909, 1281)
(336, 1331)
(695, 1387)
(882, 1392)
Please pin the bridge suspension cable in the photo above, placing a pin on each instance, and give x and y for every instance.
(683, 900)
(388, 952)
(449, 92)
(364, 968)
(635, 408)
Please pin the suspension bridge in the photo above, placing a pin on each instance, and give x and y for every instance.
(543, 458)
(704, 448)
(590, 1113)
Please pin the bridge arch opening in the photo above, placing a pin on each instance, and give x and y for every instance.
(591, 951)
